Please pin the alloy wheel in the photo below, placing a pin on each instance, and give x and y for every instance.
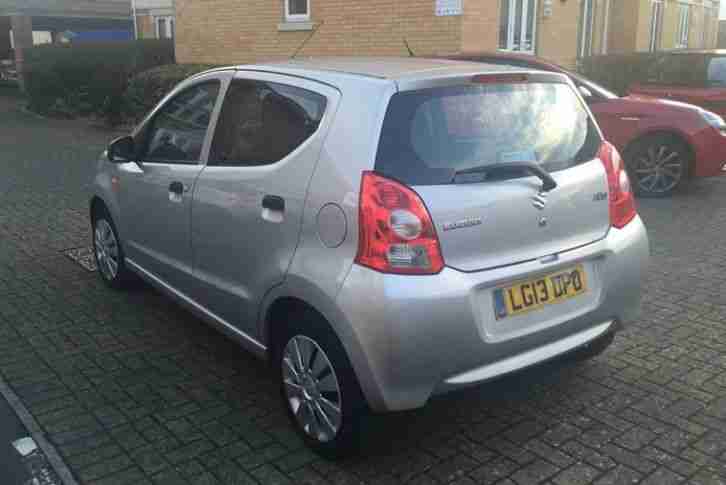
(107, 253)
(312, 388)
(658, 170)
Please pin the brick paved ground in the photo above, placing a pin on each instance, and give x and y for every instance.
(132, 389)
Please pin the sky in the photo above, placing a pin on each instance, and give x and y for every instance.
(723, 10)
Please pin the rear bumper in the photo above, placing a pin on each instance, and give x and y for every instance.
(710, 153)
(425, 335)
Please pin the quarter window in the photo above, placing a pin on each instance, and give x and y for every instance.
(517, 25)
(177, 131)
(261, 123)
(297, 10)
(684, 21)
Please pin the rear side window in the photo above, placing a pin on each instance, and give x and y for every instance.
(262, 122)
(429, 135)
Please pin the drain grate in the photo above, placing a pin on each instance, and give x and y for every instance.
(83, 257)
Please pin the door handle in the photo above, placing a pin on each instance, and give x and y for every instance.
(273, 203)
(176, 188)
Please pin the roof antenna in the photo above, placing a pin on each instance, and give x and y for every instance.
(408, 48)
(300, 47)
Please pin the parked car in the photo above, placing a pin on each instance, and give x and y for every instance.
(382, 230)
(692, 76)
(664, 143)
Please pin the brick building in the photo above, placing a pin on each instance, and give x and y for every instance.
(234, 31)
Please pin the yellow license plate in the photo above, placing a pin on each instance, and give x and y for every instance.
(534, 294)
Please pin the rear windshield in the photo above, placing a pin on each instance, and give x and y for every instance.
(429, 135)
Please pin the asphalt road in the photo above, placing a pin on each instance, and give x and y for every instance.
(12, 470)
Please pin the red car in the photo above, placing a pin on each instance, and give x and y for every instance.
(691, 76)
(663, 142)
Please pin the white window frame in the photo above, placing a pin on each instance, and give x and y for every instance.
(512, 22)
(656, 24)
(168, 22)
(684, 25)
(584, 44)
(706, 25)
(605, 29)
(296, 17)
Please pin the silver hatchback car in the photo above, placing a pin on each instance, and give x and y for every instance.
(383, 230)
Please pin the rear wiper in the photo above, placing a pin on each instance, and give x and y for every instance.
(498, 169)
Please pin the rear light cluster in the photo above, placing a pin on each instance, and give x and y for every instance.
(397, 234)
(621, 199)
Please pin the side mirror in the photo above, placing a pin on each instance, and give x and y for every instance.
(585, 92)
(121, 150)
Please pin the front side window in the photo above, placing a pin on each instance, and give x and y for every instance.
(517, 25)
(262, 122)
(297, 10)
(430, 134)
(656, 24)
(684, 23)
(177, 131)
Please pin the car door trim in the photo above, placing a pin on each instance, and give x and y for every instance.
(219, 323)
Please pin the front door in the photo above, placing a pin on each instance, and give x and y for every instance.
(156, 193)
(250, 198)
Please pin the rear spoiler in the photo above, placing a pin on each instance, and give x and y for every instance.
(458, 78)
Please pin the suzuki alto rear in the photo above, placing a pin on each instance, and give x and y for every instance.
(434, 225)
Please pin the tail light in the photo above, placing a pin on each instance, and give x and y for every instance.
(396, 231)
(621, 200)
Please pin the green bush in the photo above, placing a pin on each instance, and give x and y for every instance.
(147, 88)
(90, 77)
(618, 72)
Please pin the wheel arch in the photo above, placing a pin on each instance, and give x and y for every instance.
(297, 293)
(95, 205)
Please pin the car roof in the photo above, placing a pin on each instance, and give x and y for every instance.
(390, 68)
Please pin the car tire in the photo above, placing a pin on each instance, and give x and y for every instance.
(658, 165)
(108, 252)
(307, 382)
(593, 349)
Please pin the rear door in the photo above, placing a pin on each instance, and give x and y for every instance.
(249, 199)
(502, 217)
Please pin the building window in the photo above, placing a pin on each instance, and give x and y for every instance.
(684, 21)
(706, 30)
(164, 27)
(297, 10)
(584, 39)
(517, 25)
(656, 24)
(605, 37)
